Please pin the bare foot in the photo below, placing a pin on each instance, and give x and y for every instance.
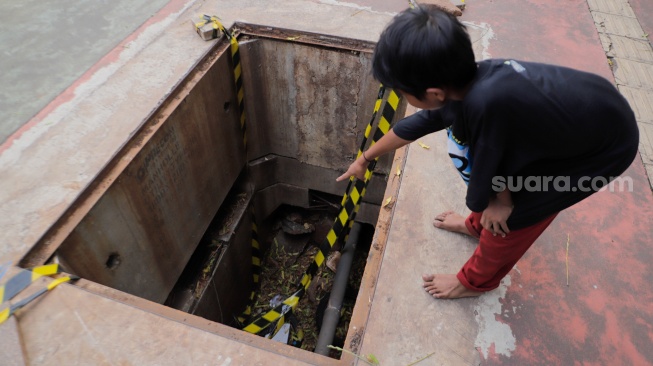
(451, 221)
(446, 286)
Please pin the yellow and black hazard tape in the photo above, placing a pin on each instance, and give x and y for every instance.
(383, 127)
(240, 95)
(276, 315)
(214, 22)
(256, 271)
(7, 312)
(366, 136)
(342, 224)
(238, 72)
(24, 278)
(348, 211)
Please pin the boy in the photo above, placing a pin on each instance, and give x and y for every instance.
(568, 131)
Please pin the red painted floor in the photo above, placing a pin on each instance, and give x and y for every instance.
(605, 315)
(559, 32)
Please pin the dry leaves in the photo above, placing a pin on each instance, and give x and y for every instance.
(388, 202)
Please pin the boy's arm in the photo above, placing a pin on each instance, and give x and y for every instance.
(407, 130)
(387, 143)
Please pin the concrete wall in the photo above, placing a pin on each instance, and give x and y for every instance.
(308, 103)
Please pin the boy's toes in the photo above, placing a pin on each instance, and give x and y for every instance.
(428, 277)
(443, 216)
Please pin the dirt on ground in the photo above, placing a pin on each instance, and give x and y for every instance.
(292, 246)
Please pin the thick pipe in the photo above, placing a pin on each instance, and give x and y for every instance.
(332, 312)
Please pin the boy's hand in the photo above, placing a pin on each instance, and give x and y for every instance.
(497, 213)
(357, 169)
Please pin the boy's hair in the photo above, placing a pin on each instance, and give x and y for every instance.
(424, 48)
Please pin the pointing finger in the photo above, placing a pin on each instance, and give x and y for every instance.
(343, 177)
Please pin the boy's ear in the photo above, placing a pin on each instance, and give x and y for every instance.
(437, 93)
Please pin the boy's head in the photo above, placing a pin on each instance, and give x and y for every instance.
(424, 48)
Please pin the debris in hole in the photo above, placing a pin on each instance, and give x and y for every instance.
(207, 271)
(295, 228)
(276, 301)
(228, 223)
(286, 261)
(291, 243)
(113, 261)
(283, 335)
(333, 260)
(198, 274)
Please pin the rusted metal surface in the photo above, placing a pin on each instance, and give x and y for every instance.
(273, 169)
(302, 37)
(270, 198)
(231, 282)
(360, 315)
(167, 314)
(215, 283)
(308, 103)
(73, 215)
(140, 234)
(92, 324)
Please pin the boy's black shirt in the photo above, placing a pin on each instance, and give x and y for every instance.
(522, 119)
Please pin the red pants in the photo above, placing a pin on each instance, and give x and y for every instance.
(495, 256)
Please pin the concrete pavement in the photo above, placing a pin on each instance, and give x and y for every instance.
(627, 45)
(46, 46)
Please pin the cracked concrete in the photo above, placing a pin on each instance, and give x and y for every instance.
(631, 58)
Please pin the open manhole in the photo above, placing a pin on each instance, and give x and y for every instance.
(170, 219)
(290, 238)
